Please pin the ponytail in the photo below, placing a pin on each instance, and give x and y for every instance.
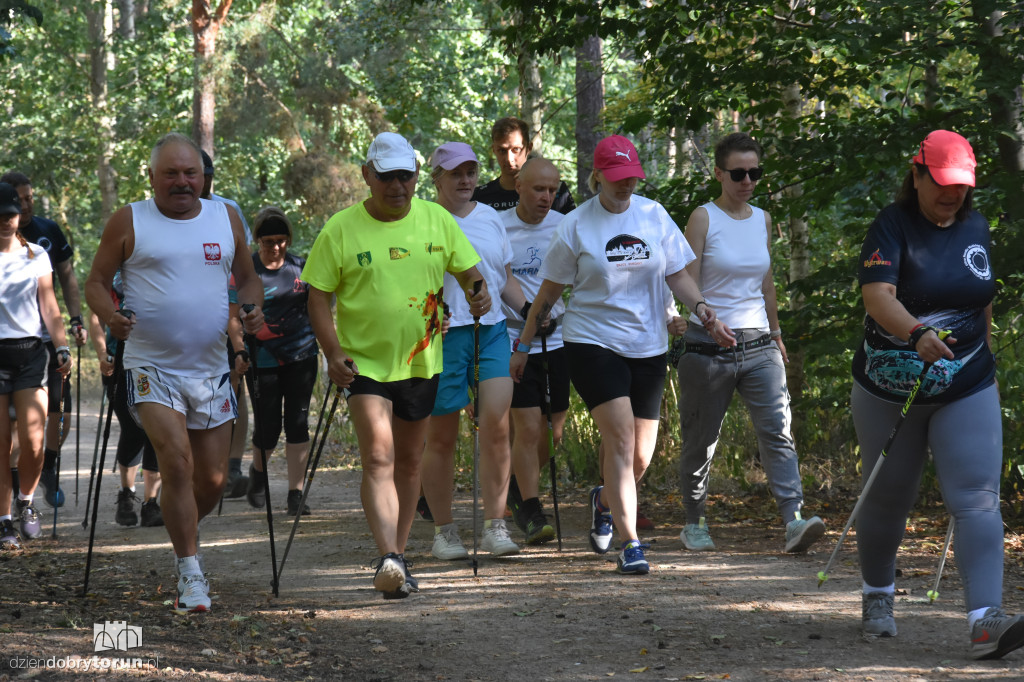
(25, 244)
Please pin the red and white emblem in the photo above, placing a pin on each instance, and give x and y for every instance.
(212, 252)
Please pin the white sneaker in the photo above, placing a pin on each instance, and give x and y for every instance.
(497, 541)
(447, 544)
(193, 594)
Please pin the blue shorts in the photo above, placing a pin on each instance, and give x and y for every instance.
(457, 377)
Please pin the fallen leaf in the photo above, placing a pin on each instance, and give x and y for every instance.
(640, 670)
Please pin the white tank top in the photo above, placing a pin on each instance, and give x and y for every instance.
(176, 283)
(733, 267)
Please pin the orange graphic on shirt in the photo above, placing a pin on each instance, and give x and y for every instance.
(432, 304)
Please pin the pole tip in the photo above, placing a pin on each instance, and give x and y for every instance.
(932, 596)
(822, 577)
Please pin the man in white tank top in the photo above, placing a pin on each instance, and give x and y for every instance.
(176, 253)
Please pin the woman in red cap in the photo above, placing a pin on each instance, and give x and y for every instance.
(617, 251)
(732, 241)
(27, 302)
(925, 270)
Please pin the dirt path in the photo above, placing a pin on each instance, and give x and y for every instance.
(745, 612)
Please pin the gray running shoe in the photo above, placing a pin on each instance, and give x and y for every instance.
(8, 536)
(696, 538)
(802, 533)
(31, 524)
(995, 634)
(876, 613)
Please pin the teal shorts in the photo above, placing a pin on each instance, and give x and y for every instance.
(457, 378)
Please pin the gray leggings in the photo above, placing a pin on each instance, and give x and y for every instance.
(966, 441)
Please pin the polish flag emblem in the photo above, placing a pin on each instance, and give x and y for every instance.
(212, 252)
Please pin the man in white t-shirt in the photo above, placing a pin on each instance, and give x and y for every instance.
(176, 252)
(530, 226)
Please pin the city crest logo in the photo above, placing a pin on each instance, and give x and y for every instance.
(364, 258)
(115, 636)
(142, 384)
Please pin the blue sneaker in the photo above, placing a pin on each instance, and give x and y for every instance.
(54, 495)
(601, 529)
(631, 560)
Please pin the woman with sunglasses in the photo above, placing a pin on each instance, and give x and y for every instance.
(455, 172)
(618, 251)
(732, 241)
(924, 270)
(285, 359)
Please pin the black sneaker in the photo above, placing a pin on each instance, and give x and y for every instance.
(424, 509)
(54, 496)
(151, 514)
(390, 578)
(515, 503)
(31, 523)
(410, 582)
(538, 530)
(8, 536)
(126, 514)
(256, 492)
(236, 486)
(294, 498)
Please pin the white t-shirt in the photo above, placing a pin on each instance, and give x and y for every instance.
(617, 264)
(733, 266)
(486, 233)
(19, 291)
(529, 244)
(176, 283)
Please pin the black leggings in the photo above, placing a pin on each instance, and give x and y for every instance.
(292, 385)
(133, 446)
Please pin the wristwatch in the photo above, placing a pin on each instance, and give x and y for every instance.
(519, 347)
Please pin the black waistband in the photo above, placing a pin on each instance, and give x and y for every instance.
(715, 349)
(21, 343)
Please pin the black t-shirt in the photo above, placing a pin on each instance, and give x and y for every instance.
(287, 333)
(47, 234)
(500, 199)
(943, 277)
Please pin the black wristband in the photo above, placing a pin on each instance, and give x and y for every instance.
(697, 305)
(525, 312)
(916, 335)
(244, 353)
(76, 321)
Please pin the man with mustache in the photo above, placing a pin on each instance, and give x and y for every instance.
(176, 252)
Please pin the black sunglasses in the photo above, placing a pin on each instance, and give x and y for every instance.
(400, 175)
(737, 174)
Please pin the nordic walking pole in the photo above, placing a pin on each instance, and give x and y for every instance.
(933, 593)
(316, 435)
(95, 450)
(551, 436)
(220, 505)
(78, 417)
(476, 420)
(118, 378)
(823, 575)
(66, 381)
(317, 449)
(254, 394)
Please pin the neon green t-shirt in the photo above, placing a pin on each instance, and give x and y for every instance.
(387, 277)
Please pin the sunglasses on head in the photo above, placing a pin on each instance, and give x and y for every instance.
(400, 175)
(737, 174)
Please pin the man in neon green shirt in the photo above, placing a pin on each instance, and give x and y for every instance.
(385, 260)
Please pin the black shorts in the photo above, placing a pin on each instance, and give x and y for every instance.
(22, 364)
(54, 382)
(411, 399)
(600, 375)
(530, 390)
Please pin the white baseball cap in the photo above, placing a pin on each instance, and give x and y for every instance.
(389, 152)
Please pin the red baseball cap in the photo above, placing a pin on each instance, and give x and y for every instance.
(616, 157)
(949, 158)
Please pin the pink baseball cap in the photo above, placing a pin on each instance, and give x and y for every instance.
(451, 155)
(949, 158)
(616, 157)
